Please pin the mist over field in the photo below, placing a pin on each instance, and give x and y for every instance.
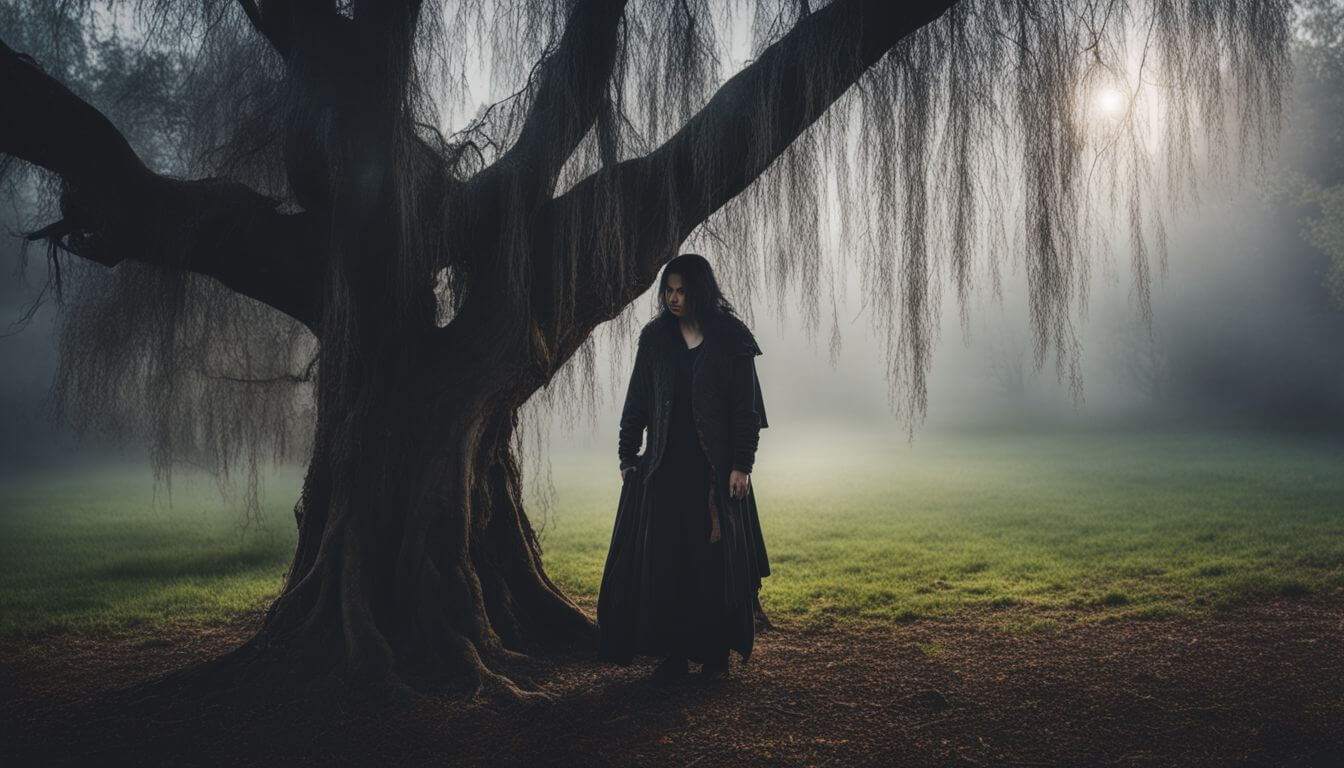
(1202, 464)
(1241, 362)
(1242, 335)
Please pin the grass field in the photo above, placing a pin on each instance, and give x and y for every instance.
(858, 528)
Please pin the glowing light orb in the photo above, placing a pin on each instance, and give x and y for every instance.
(1110, 102)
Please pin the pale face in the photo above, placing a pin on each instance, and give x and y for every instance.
(678, 303)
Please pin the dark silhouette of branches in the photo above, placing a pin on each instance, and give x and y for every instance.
(935, 142)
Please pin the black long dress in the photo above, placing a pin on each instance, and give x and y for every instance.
(681, 607)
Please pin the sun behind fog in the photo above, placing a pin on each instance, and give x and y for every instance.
(1110, 102)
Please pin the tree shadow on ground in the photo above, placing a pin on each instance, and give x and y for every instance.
(1259, 684)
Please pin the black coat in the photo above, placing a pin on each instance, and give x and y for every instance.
(729, 413)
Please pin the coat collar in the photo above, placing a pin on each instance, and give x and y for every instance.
(726, 335)
(729, 337)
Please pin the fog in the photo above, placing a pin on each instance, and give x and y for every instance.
(1242, 333)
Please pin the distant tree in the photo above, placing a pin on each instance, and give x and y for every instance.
(1325, 231)
(1007, 364)
(1314, 161)
(301, 245)
(1138, 353)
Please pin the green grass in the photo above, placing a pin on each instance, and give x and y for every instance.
(1105, 526)
(96, 550)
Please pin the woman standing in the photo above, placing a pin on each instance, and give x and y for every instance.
(686, 556)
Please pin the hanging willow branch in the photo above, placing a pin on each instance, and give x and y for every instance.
(927, 144)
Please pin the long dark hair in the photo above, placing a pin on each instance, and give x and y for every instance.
(697, 276)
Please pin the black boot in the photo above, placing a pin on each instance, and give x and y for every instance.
(715, 669)
(670, 670)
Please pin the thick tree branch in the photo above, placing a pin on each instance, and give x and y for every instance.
(276, 20)
(748, 123)
(381, 14)
(571, 92)
(114, 208)
(267, 25)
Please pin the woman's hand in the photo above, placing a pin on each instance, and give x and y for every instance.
(738, 482)
(627, 471)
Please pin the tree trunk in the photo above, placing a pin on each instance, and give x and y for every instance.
(416, 565)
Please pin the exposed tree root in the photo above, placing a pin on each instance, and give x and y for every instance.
(440, 591)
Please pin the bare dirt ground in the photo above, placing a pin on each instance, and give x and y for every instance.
(1260, 684)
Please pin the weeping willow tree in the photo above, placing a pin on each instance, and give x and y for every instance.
(292, 249)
